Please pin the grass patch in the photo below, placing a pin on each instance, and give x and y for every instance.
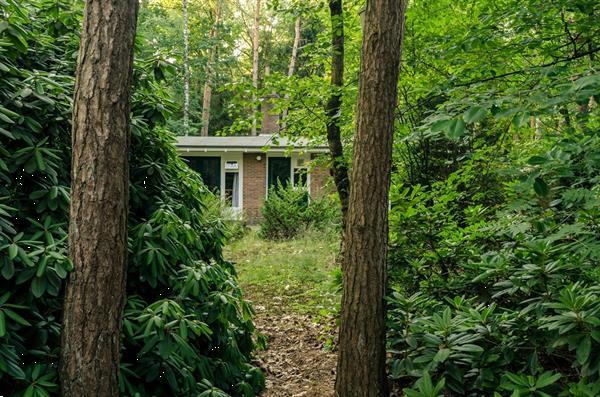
(297, 275)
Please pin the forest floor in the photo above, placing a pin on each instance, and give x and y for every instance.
(292, 287)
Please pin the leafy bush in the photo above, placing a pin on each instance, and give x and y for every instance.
(218, 210)
(506, 298)
(495, 244)
(187, 330)
(289, 211)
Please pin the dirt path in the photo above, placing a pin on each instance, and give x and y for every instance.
(296, 361)
(291, 289)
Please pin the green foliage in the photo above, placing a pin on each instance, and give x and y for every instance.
(495, 271)
(425, 388)
(186, 328)
(295, 275)
(161, 23)
(289, 211)
(525, 386)
(219, 210)
(494, 237)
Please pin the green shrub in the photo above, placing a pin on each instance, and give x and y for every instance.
(289, 212)
(495, 290)
(186, 327)
(218, 210)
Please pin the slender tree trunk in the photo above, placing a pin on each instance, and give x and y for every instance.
(95, 291)
(186, 69)
(339, 166)
(361, 366)
(294, 58)
(207, 98)
(292, 66)
(255, 37)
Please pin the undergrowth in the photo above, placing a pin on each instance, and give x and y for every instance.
(298, 274)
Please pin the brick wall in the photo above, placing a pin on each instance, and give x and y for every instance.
(320, 178)
(255, 176)
(270, 120)
(255, 179)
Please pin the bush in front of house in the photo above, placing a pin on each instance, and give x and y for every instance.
(290, 211)
(217, 210)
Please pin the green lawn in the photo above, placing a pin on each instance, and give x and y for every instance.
(288, 276)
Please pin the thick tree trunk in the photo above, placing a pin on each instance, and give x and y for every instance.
(186, 69)
(361, 366)
(339, 166)
(292, 65)
(95, 292)
(255, 37)
(207, 98)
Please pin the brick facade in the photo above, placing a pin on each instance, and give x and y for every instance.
(319, 178)
(255, 182)
(270, 119)
(255, 176)
(244, 151)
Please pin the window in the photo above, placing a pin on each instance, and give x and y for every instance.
(232, 190)
(301, 177)
(209, 169)
(280, 171)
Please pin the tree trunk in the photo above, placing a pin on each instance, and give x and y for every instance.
(207, 98)
(339, 166)
(361, 366)
(186, 69)
(95, 291)
(255, 38)
(293, 60)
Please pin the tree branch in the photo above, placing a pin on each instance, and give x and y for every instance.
(555, 62)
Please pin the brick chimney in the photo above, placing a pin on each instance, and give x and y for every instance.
(270, 121)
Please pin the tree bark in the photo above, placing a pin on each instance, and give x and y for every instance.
(207, 98)
(186, 69)
(339, 166)
(294, 58)
(292, 65)
(361, 365)
(95, 291)
(255, 38)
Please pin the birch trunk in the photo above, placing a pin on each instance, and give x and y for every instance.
(207, 98)
(95, 290)
(256, 35)
(186, 69)
(294, 58)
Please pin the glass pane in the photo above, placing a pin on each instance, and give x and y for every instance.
(300, 177)
(280, 169)
(209, 169)
(232, 189)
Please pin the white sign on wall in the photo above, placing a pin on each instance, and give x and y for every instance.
(231, 165)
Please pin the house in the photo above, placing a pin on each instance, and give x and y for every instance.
(243, 168)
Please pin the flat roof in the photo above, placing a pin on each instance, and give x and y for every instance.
(245, 143)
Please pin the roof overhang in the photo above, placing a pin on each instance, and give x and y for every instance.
(246, 144)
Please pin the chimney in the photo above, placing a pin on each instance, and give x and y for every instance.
(270, 121)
